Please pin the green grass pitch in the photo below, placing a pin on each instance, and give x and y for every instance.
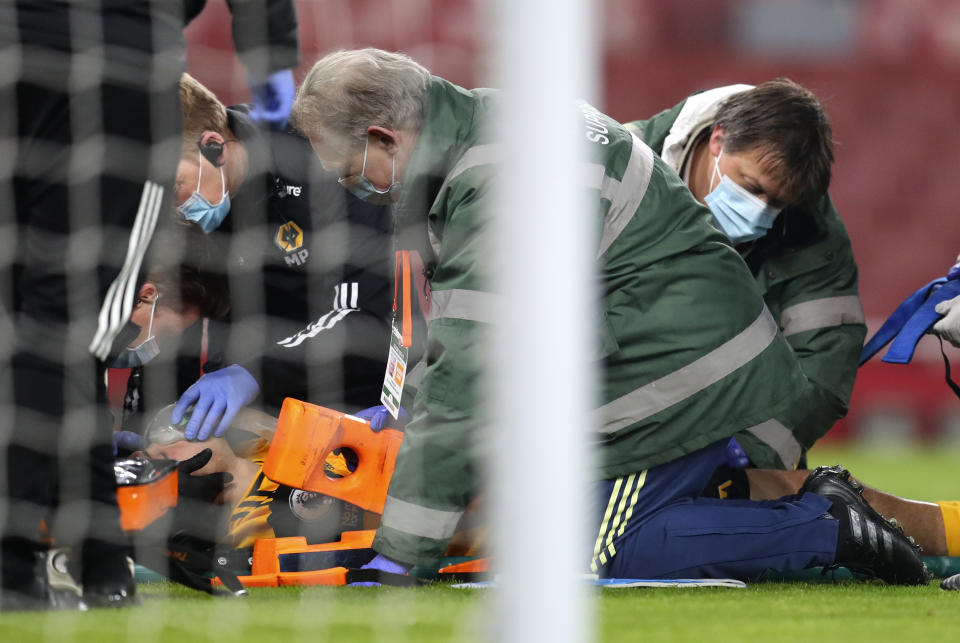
(846, 611)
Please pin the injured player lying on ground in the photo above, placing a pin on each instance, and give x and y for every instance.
(227, 503)
(261, 508)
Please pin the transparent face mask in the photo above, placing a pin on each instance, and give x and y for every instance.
(249, 434)
(161, 431)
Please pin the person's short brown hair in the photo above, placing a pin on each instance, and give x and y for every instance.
(787, 122)
(202, 111)
(188, 269)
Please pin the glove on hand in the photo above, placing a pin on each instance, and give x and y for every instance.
(379, 417)
(195, 513)
(203, 488)
(736, 457)
(215, 396)
(954, 272)
(949, 327)
(126, 442)
(273, 98)
(383, 564)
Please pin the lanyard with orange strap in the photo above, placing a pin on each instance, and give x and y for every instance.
(402, 275)
(401, 335)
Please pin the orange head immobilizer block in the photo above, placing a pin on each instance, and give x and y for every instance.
(145, 490)
(307, 433)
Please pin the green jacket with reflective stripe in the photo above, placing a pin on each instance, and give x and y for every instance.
(806, 270)
(690, 354)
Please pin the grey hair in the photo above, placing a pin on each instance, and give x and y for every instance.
(346, 92)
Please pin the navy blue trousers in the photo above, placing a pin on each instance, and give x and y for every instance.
(654, 524)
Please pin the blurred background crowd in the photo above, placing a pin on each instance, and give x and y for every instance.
(886, 70)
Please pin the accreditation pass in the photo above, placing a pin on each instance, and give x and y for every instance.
(396, 373)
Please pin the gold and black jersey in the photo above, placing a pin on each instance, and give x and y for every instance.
(271, 510)
(248, 521)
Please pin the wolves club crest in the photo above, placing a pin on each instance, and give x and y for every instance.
(289, 236)
(290, 239)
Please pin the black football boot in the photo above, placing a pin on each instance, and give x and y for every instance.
(107, 576)
(23, 587)
(38, 585)
(866, 541)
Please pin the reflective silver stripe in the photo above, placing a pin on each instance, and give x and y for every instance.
(419, 521)
(595, 177)
(473, 157)
(655, 396)
(821, 313)
(780, 439)
(472, 305)
(625, 195)
(118, 301)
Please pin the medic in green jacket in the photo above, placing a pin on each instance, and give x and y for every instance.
(690, 353)
(774, 143)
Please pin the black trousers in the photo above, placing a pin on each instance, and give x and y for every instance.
(91, 122)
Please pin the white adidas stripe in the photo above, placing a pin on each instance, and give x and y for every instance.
(327, 321)
(289, 341)
(118, 301)
(342, 294)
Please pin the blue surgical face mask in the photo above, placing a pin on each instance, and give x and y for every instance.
(146, 351)
(741, 216)
(362, 188)
(197, 208)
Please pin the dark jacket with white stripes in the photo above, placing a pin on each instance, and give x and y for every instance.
(264, 33)
(318, 262)
(806, 270)
(690, 354)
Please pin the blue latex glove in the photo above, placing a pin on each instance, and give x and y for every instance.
(379, 417)
(127, 442)
(736, 458)
(273, 98)
(954, 272)
(216, 397)
(384, 564)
